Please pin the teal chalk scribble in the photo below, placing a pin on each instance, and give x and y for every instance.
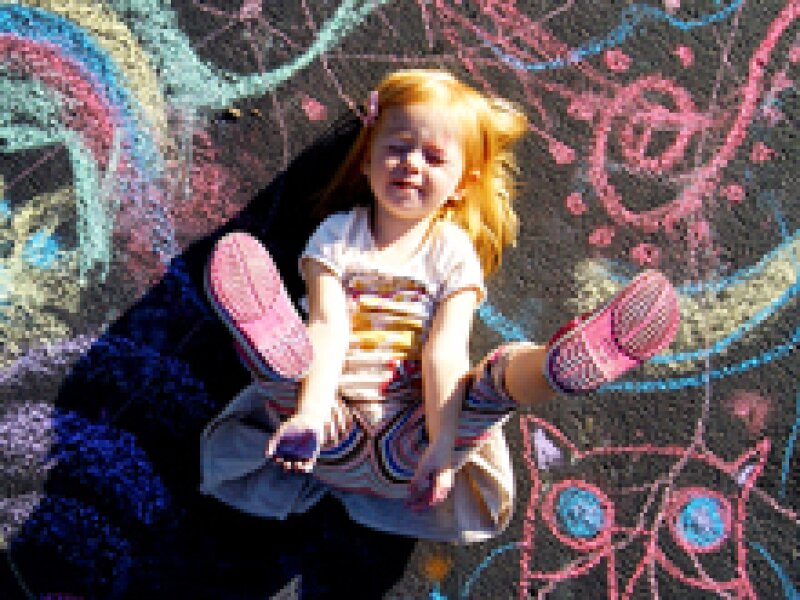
(187, 81)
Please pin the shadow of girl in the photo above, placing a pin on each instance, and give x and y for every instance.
(121, 515)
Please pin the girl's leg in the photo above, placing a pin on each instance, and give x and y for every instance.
(245, 289)
(635, 325)
(521, 373)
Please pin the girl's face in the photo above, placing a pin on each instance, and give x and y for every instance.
(415, 163)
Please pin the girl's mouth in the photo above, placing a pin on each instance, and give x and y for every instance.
(405, 185)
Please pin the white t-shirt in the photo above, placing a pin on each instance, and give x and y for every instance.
(390, 308)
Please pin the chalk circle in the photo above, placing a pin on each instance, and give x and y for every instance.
(642, 117)
(699, 519)
(579, 514)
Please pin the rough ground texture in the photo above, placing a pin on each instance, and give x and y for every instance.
(134, 133)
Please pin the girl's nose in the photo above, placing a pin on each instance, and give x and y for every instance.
(413, 158)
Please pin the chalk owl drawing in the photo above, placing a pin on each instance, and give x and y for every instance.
(635, 516)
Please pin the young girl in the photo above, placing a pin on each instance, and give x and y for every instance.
(373, 399)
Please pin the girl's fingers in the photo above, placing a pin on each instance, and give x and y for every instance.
(340, 422)
(329, 432)
(430, 490)
(421, 500)
(442, 484)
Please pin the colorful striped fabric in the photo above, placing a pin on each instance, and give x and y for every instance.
(380, 452)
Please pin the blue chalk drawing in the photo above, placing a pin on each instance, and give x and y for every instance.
(41, 250)
(631, 21)
(580, 513)
(776, 352)
(485, 563)
(789, 590)
(701, 522)
(436, 593)
(789, 452)
(500, 324)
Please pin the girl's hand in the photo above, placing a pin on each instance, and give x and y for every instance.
(298, 440)
(433, 478)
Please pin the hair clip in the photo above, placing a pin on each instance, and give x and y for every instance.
(372, 108)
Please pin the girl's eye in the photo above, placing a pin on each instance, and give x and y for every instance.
(435, 158)
(396, 147)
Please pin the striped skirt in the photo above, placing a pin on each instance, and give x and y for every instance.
(372, 464)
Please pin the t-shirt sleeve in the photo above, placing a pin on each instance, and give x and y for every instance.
(460, 266)
(326, 245)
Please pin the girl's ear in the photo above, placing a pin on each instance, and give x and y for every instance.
(466, 180)
(469, 178)
(473, 176)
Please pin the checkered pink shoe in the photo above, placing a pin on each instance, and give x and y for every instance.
(246, 291)
(637, 324)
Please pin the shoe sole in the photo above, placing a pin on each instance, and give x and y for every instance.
(246, 291)
(634, 326)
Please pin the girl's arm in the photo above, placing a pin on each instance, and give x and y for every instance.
(329, 329)
(445, 362)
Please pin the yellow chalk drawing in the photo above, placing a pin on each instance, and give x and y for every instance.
(712, 315)
(34, 301)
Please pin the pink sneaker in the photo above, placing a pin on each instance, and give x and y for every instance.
(246, 291)
(637, 324)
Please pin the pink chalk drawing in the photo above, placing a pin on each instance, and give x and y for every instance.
(751, 408)
(575, 204)
(772, 114)
(646, 255)
(761, 153)
(699, 234)
(561, 153)
(733, 193)
(794, 54)
(314, 109)
(582, 108)
(636, 114)
(602, 237)
(781, 81)
(204, 196)
(651, 129)
(590, 513)
(685, 55)
(617, 61)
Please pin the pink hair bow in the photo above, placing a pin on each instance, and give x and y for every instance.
(372, 108)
